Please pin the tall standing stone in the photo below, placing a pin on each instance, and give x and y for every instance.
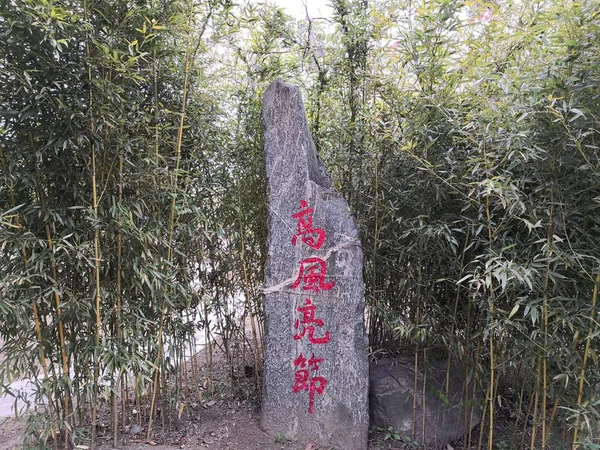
(316, 368)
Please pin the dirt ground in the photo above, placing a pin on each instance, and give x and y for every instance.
(232, 424)
(11, 433)
(229, 421)
(225, 425)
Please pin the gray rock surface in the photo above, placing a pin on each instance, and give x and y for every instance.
(316, 368)
(391, 400)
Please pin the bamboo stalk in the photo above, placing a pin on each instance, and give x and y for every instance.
(453, 329)
(206, 317)
(58, 305)
(466, 400)
(552, 417)
(536, 404)
(171, 221)
(545, 330)
(475, 385)
(374, 299)
(471, 413)
(156, 375)
(118, 312)
(165, 394)
(261, 336)
(79, 414)
(545, 371)
(194, 369)
(416, 383)
(248, 300)
(467, 431)
(124, 399)
(586, 354)
(155, 81)
(491, 391)
(491, 299)
(483, 419)
(35, 309)
(491, 398)
(209, 352)
(182, 375)
(138, 401)
(523, 434)
(157, 159)
(97, 298)
(416, 356)
(522, 393)
(519, 409)
(424, 394)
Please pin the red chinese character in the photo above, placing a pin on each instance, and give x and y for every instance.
(312, 274)
(309, 322)
(313, 237)
(314, 362)
(303, 381)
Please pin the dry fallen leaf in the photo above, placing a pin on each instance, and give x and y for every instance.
(180, 441)
(310, 447)
(152, 443)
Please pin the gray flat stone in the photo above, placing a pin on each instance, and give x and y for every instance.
(439, 419)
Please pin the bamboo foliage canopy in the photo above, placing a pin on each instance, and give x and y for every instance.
(464, 136)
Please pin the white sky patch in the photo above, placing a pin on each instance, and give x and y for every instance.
(297, 8)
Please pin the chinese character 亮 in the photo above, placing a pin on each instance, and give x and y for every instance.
(308, 323)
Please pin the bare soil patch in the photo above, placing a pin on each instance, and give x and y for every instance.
(232, 423)
(11, 433)
(229, 420)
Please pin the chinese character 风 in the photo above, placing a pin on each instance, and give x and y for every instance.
(312, 275)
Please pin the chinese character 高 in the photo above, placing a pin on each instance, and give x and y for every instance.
(313, 237)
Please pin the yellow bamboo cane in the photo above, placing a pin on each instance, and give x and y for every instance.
(36, 315)
(58, 304)
(171, 225)
(586, 354)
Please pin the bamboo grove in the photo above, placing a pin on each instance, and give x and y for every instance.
(464, 135)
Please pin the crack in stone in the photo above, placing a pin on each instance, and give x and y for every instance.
(349, 242)
(287, 282)
(279, 287)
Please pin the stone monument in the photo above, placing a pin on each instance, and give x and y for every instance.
(316, 368)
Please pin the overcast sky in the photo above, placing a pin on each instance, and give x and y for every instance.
(296, 8)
